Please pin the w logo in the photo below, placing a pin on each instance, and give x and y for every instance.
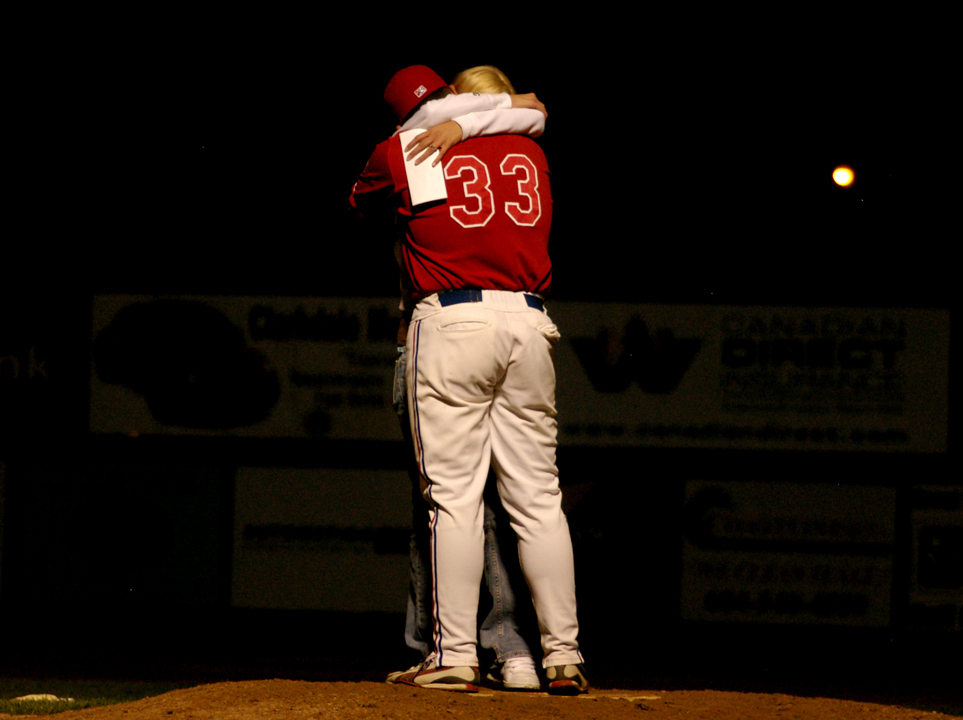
(657, 361)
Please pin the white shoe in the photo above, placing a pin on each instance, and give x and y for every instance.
(516, 674)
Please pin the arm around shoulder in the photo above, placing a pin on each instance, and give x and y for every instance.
(452, 106)
(524, 121)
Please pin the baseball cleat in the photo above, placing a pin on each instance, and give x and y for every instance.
(427, 675)
(396, 676)
(515, 674)
(566, 680)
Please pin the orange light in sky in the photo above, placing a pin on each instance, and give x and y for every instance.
(843, 176)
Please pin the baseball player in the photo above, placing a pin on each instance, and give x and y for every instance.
(514, 667)
(481, 389)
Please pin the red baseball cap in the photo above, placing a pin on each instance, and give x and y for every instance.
(410, 86)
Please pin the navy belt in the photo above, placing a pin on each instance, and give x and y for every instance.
(454, 297)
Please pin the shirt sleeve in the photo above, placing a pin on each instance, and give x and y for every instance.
(520, 121)
(453, 106)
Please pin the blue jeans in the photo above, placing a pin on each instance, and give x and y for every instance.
(499, 631)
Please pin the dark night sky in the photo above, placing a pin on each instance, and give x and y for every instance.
(687, 166)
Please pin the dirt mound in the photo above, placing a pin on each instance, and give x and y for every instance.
(293, 699)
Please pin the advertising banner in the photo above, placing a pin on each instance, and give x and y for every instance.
(321, 539)
(752, 377)
(773, 378)
(244, 366)
(936, 583)
(43, 389)
(788, 553)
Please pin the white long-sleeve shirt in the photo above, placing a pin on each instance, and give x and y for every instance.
(479, 114)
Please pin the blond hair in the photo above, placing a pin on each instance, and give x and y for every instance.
(482, 79)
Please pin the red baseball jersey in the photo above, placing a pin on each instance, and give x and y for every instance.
(491, 233)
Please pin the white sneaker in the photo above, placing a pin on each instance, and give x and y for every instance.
(516, 674)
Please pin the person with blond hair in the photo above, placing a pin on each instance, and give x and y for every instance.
(479, 82)
(482, 79)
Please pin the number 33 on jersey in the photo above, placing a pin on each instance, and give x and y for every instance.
(493, 230)
(474, 178)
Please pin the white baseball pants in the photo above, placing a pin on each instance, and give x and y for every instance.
(481, 385)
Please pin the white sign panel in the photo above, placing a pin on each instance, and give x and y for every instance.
(752, 377)
(321, 539)
(788, 553)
